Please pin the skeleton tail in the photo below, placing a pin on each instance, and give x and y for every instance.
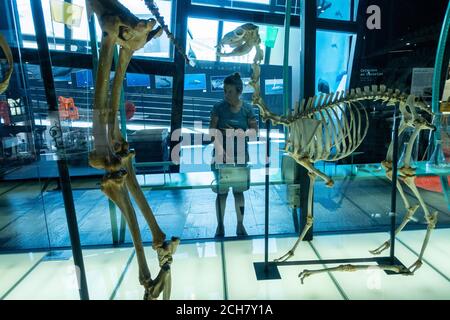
(151, 5)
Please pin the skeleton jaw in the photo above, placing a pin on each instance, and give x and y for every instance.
(240, 50)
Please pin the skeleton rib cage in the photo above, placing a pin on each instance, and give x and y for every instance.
(331, 127)
(337, 131)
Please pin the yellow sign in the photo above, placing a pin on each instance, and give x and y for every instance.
(67, 13)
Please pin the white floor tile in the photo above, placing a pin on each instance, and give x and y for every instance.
(57, 280)
(241, 277)
(437, 252)
(14, 266)
(374, 283)
(196, 273)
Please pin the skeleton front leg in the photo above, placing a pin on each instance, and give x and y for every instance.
(305, 162)
(120, 146)
(158, 236)
(114, 188)
(102, 157)
(309, 219)
(113, 185)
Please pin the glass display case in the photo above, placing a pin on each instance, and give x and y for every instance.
(165, 114)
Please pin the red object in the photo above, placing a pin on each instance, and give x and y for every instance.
(130, 109)
(67, 109)
(4, 113)
(430, 183)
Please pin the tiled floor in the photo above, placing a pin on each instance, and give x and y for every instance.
(31, 219)
(224, 270)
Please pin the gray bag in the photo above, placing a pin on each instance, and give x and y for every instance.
(236, 177)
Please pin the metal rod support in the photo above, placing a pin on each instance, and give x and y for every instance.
(266, 214)
(394, 183)
(47, 76)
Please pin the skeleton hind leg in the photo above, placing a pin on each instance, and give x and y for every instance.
(430, 218)
(411, 210)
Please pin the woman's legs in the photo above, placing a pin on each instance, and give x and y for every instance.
(221, 202)
(239, 204)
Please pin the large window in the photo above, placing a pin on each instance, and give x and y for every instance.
(261, 5)
(160, 47)
(336, 9)
(333, 61)
(59, 14)
(202, 39)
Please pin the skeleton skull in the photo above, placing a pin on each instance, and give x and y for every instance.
(242, 40)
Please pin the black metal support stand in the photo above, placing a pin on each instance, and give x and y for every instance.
(394, 182)
(56, 133)
(268, 270)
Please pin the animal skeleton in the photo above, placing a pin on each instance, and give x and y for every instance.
(120, 26)
(7, 51)
(330, 127)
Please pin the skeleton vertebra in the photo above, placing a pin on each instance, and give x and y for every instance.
(7, 51)
(111, 151)
(331, 127)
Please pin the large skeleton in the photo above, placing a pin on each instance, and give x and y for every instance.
(330, 127)
(111, 152)
(7, 51)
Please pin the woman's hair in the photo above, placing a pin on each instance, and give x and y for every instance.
(235, 80)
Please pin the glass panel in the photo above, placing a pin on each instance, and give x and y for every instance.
(333, 61)
(258, 5)
(160, 47)
(334, 9)
(23, 209)
(196, 148)
(70, 32)
(202, 39)
(445, 121)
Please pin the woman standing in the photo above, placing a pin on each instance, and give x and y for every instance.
(227, 116)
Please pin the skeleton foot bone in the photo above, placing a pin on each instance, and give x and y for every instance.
(352, 268)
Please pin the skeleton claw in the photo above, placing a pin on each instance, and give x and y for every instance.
(381, 248)
(304, 274)
(416, 265)
(285, 257)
